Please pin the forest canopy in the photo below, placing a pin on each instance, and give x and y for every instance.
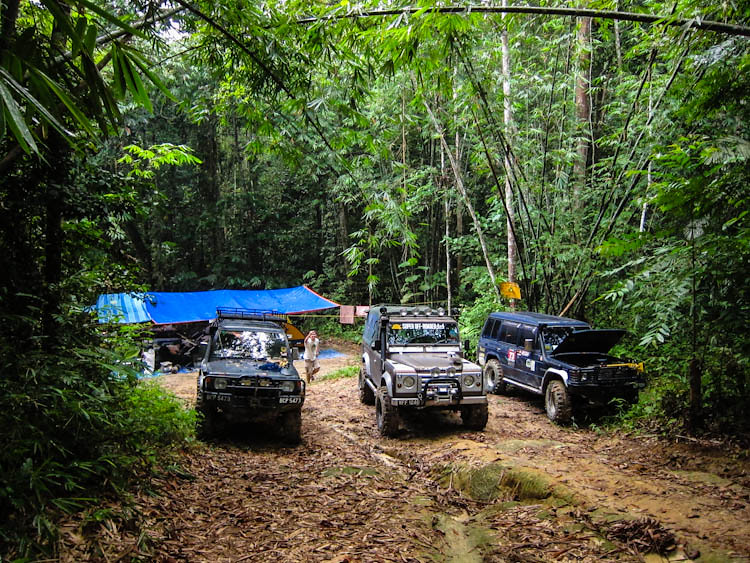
(419, 153)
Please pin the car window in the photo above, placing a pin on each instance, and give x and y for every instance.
(509, 332)
(495, 329)
(528, 333)
(248, 345)
(401, 333)
(553, 335)
(371, 328)
(489, 327)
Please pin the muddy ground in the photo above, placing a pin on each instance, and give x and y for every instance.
(522, 490)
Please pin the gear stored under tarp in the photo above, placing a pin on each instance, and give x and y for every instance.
(183, 307)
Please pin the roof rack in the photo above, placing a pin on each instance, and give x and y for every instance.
(249, 314)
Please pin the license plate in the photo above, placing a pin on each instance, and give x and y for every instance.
(410, 402)
(289, 400)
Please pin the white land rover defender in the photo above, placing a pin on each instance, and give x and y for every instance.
(412, 359)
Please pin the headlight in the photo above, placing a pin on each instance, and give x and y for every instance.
(220, 383)
(287, 386)
(409, 381)
(469, 380)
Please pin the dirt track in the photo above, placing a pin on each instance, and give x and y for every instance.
(346, 494)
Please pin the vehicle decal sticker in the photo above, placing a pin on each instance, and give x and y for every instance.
(511, 356)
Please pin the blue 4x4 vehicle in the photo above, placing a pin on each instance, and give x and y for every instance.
(560, 358)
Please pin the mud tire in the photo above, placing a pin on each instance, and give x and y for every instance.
(475, 417)
(291, 426)
(207, 422)
(207, 415)
(557, 402)
(386, 414)
(366, 395)
(493, 378)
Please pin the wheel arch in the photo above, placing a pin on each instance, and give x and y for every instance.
(551, 374)
(386, 381)
(491, 356)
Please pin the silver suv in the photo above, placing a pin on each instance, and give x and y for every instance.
(412, 359)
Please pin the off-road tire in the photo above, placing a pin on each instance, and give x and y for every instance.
(475, 416)
(630, 397)
(206, 424)
(557, 402)
(493, 378)
(386, 414)
(291, 426)
(366, 395)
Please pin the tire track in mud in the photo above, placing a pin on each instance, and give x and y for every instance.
(613, 476)
(347, 494)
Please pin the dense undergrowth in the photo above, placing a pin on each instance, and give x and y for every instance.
(78, 427)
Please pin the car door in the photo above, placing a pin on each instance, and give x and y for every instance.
(528, 362)
(487, 342)
(369, 338)
(508, 344)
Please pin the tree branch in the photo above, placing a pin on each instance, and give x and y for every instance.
(653, 19)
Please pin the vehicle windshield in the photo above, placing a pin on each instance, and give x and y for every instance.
(401, 333)
(553, 335)
(249, 345)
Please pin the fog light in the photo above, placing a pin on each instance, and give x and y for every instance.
(265, 383)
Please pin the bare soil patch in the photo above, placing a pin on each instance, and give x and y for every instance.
(346, 494)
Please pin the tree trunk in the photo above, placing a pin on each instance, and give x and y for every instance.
(583, 107)
(696, 401)
(447, 252)
(618, 47)
(465, 196)
(509, 130)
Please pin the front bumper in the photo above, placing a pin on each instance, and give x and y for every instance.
(246, 400)
(440, 393)
(604, 390)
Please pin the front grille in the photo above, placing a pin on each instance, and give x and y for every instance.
(607, 375)
(254, 392)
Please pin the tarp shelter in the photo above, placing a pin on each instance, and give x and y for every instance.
(184, 307)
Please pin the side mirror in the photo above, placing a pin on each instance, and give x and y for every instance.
(376, 345)
(528, 344)
(466, 345)
(295, 353)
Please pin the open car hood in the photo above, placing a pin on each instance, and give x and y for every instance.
(597, 341)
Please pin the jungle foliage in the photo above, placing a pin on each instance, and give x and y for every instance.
(197, 145)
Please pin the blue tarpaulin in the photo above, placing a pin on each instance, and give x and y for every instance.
(184, 307)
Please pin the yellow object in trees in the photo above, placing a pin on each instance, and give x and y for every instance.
(510, 290)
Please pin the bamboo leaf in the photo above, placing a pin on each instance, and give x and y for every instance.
(75, 111)
(23, 92)
(16, 122)
(110, 17)
(143, 66)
